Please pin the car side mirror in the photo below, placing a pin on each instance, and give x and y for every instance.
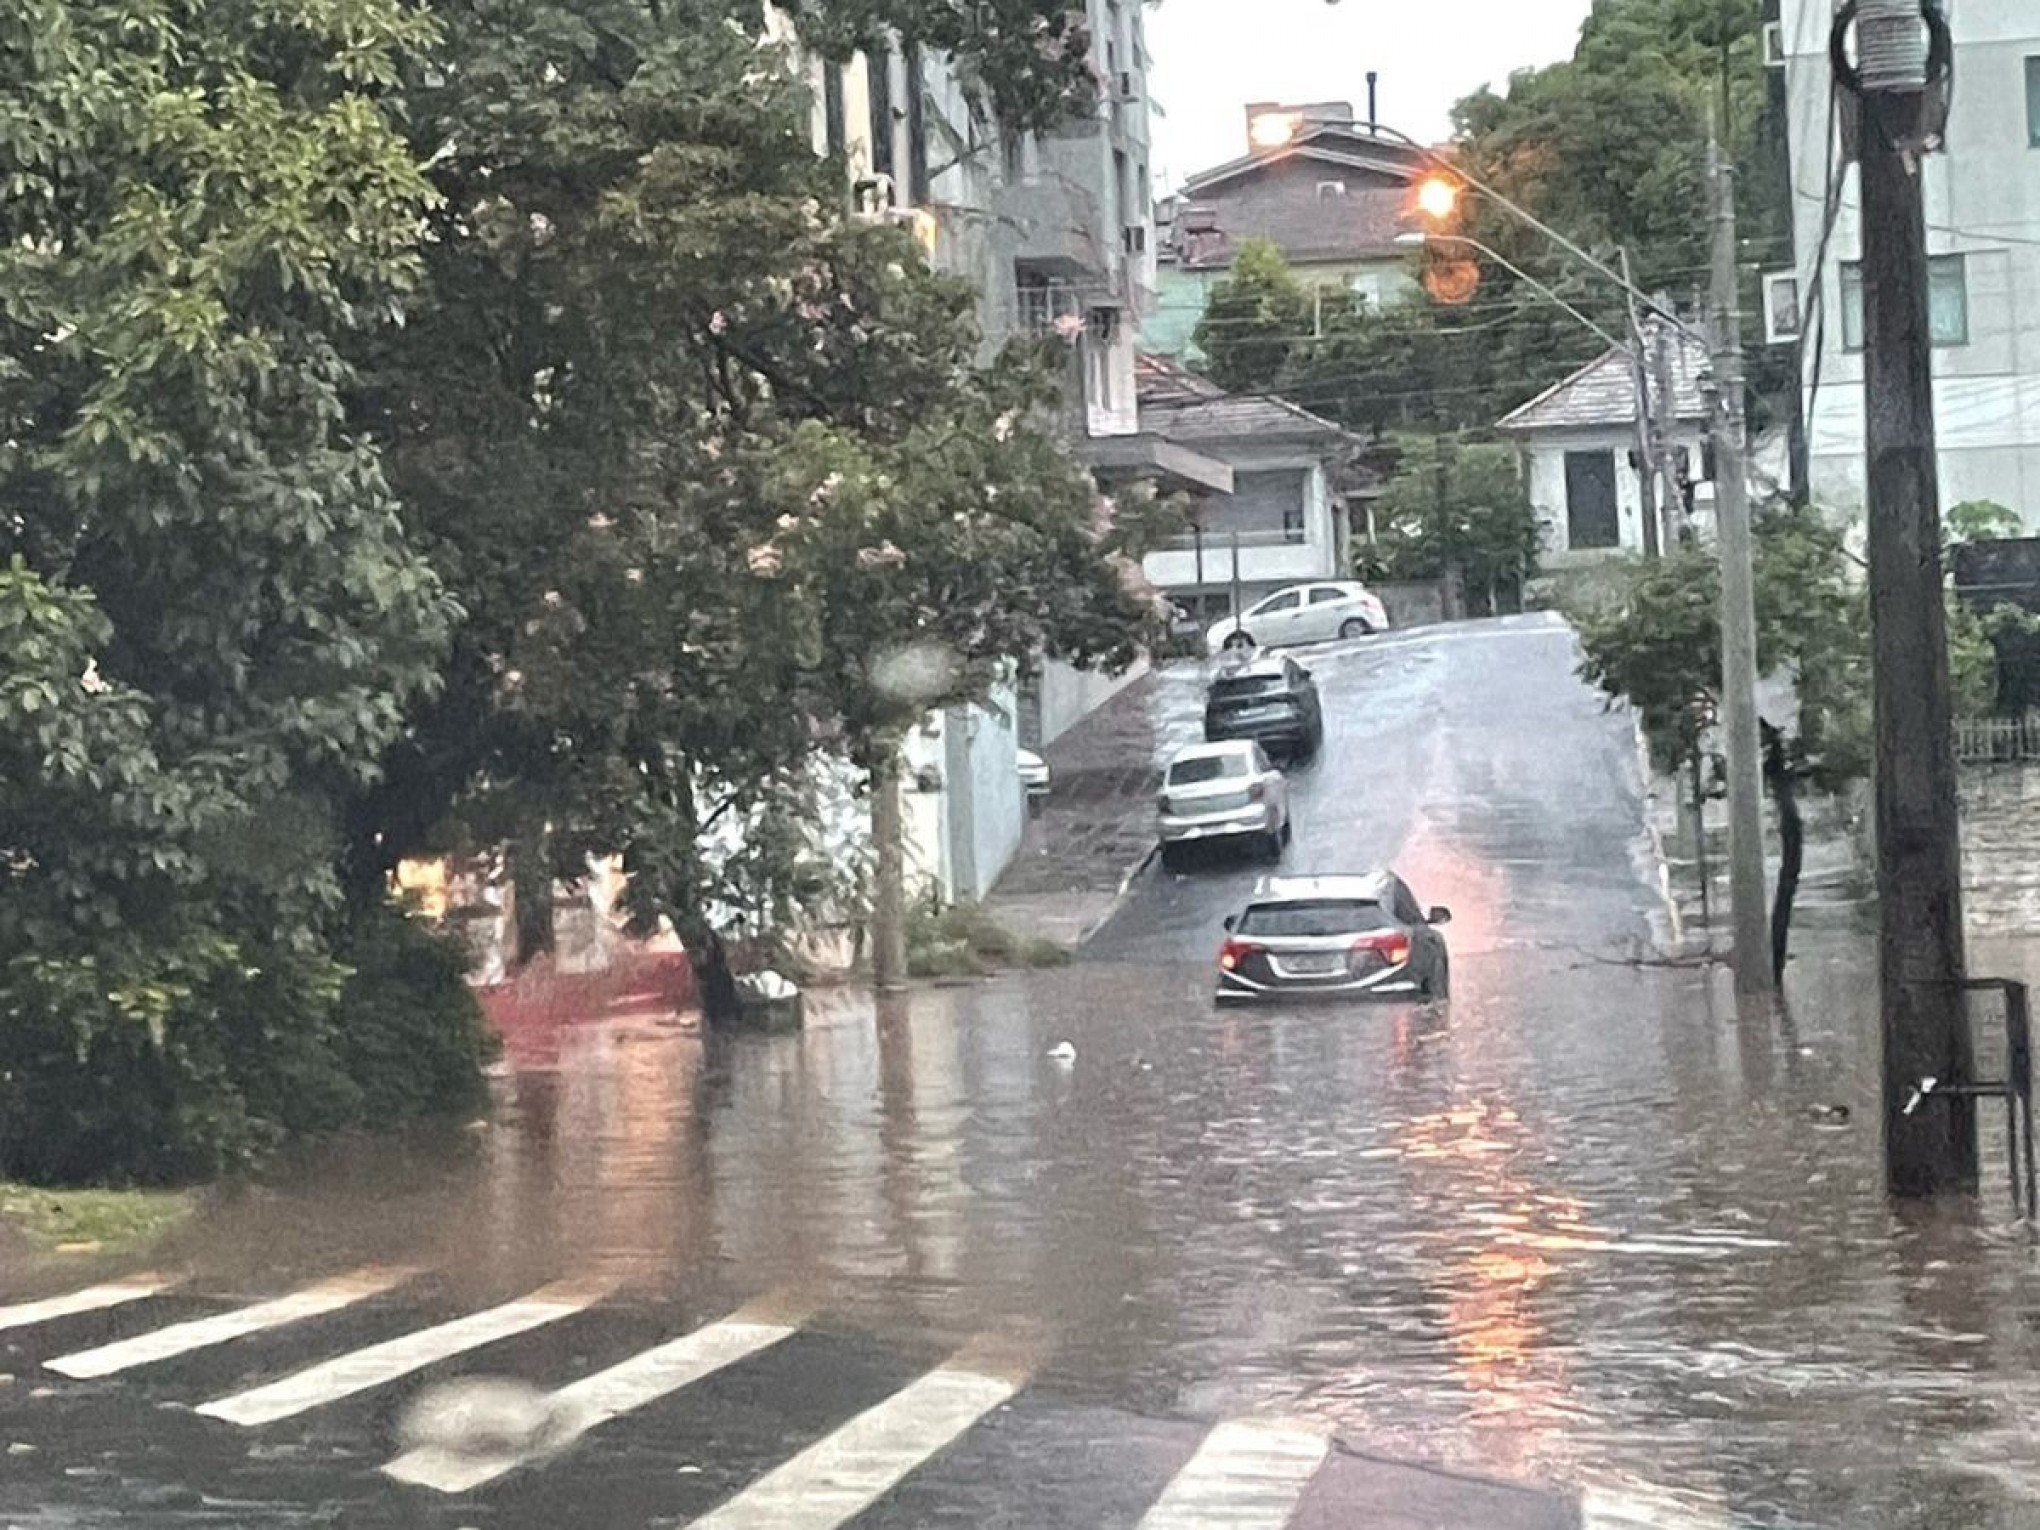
(1232, 922)
(1439, 916)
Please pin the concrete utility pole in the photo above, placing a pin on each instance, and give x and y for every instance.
(1667, 420)
(1646, 435)
(889, 884)
(1738, 603)
(1919, 856)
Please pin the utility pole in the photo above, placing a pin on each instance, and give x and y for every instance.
(1667, 420)
(1919, 855)
(1646, 435)
(1738, 603)
(889, 889)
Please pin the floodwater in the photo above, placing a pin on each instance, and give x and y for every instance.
(1588, 1224)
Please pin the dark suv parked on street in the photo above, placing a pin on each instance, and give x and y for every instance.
(1272, 701)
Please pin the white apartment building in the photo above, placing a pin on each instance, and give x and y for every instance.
(1983, 236)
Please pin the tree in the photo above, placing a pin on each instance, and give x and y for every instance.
(1458, 508)
(701, 461)
(216, 619)
(1253, 320)
(1657, 646)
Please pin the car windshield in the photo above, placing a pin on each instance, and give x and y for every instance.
(1320, 919)
(1215, 767)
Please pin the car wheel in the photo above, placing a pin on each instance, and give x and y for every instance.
(1172, 858)
(1238, 641)
(1439, 985)
(1354, 627)
(1288, 831)
(1272, 845)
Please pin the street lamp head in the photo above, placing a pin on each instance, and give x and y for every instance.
(1438, 197)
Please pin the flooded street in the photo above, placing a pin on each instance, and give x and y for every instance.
(1585, 1226)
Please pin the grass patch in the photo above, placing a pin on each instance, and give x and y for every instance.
(109, 1221)
(966, 941)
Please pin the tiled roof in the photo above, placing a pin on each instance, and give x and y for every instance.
(1305, 226)
(1603, 392)
(1178, 405)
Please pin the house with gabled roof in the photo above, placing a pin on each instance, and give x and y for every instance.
(1326, 190)
(1578, 440)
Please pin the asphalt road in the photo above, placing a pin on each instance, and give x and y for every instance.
(1470, 759)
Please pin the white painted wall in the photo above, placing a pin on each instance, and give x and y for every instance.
(1544, 457)
(1320, 555)
(1983, 202)
(964, 828)
(1069, 695)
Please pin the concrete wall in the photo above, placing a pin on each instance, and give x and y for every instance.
(1982, 202)
(1067, 695)
(2001, 848)
(965, 808)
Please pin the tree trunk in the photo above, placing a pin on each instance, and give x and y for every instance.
(716, 983)
(531, 885)
(889, 893)
(1792, 842)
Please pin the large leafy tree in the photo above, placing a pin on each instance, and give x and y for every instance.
(214, 620)
(1455, 507)
(1254, 320)
(701, 459)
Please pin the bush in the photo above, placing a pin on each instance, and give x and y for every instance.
(163, 1067)
(966, 941)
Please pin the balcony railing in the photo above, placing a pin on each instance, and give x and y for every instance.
(1997, 740)
(1220, 542)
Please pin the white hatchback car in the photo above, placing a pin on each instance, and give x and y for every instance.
(1227, 792)
(1303, 613)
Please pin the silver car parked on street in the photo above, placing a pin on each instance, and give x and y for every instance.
(1338, 937)
(1226, 792)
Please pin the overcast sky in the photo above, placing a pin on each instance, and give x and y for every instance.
(1211, 57)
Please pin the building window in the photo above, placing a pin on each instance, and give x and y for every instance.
(878, 69)
(1101, 339)
(832, 109)
(1947, 301)
(918, 187)
(1592, 516)
(1270, 507)
(2033, 101)
(1781, 307)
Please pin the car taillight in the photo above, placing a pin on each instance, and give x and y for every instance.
(1392, 946)
(1234, 952)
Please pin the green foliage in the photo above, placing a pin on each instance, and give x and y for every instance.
(104, 1221)
(1027, 61)
(1454, 506)
(154, 1066)
(709, 468)
(1982, 520)
(1658, 645)
(1253, 320)
(964, 940)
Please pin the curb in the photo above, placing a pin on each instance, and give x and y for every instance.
(1675, 921)
(1133, 874)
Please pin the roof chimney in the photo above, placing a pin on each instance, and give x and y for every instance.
(1373, 116)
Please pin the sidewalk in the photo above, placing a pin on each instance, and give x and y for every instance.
(1095, 831)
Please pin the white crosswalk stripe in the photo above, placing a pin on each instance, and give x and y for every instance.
(1245, 1476)
(202, 1333)
(91, 1299)
(380, 1364)
(595, 1400)
(840, 1476)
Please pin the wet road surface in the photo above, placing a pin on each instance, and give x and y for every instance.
(1588, 1226)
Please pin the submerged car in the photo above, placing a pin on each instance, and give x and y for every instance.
(1339, 936)
(1228, 793)
(1304, 613)
(1274, 702)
